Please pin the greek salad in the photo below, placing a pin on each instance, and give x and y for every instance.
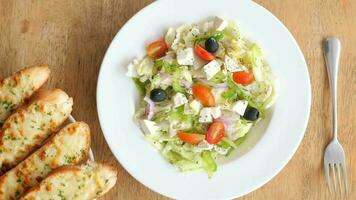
(203, 86)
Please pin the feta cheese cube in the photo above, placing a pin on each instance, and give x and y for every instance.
(185, 56)
(149, 127)
(220, 23)
(211, 69)
(205, 116)
(179, 99)
(195, 106)
(192, 108)
(179, 34)
(202, 146)
(189, 37)
(170, 36)
(231, 65)
(131, 71)
(216, 112)
(207, 26)
(240, 106)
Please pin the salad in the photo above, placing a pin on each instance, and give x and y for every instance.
(203, 86)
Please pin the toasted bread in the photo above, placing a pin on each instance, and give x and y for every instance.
(30, 125)
(69, 146)
(15, 89)
(84, 182)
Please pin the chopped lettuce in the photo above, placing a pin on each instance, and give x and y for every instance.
(217, 35)
(140, 86)
(231, 32)
(218, 77)
(226, 143)
(165, 73)
(241, 93)
(177, 87)
(209, 163)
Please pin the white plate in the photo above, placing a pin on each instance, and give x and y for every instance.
(267, 149)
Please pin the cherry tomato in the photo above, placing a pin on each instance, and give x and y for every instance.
(203, 94)
(202, 53)
(243, 78)
(191, 138)
(157, 49)
(215, 133)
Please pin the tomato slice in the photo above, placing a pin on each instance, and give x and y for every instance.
(243, 78)
(215, 133)
(191, 138)
(202, 53)
(203, 94)
(157, 49)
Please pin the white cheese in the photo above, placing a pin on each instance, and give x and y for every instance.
(177, 42)
(220, 23)
(170, 36)
(196, 106)
(211, 69)
(179, 99)
(192, 108)
(131, 69)
(240, 106)
(205, 116)
(216, 112)
(185, 56)
(190, 36)
(203, 146)
(207, 26)
(231, 65)
(149, 127)
(187, 75)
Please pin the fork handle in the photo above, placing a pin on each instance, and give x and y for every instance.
(332, 48)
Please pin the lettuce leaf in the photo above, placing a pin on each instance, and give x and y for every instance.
(241, 93)
(217, 35)
(140, 86)
(177, 87)
(209, 163)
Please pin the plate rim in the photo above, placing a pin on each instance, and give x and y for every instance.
(305, 121)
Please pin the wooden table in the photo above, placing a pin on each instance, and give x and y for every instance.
(72, 37)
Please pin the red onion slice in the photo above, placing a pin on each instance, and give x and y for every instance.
(150, 107)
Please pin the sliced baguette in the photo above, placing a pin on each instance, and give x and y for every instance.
(69, 146)
(15, 89)
(30, 125)
(84, 182)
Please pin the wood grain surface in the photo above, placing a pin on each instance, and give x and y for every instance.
(72, 37)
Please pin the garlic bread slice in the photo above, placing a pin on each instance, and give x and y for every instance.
(69, 146)
(84, 182)
(15, 89)
(30, 125)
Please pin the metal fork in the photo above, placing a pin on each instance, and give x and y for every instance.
(334, 156)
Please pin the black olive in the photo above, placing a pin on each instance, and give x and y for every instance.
(251, 114)
(211, 45)
(158, 95)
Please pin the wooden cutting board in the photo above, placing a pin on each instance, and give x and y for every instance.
(72, 37)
